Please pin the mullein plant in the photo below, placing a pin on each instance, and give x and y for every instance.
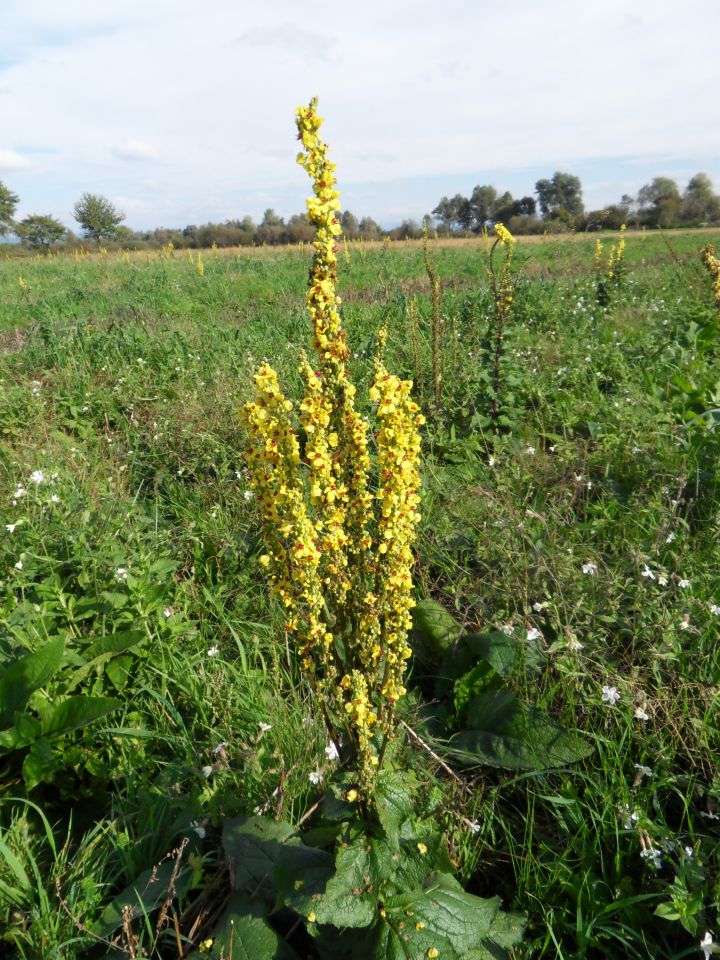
(339, 512)
(712, 265)
(502, 287)
(611, 273)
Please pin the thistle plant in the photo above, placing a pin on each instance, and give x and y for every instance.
(339, 518)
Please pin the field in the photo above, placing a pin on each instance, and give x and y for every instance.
(566, 560)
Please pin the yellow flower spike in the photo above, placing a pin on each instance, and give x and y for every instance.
(338, 555)
(712, 265)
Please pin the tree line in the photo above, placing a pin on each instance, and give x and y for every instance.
(557, 205)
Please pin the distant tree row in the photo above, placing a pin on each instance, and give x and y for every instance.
(560, 205)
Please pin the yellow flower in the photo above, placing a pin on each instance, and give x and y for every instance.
(422, 848)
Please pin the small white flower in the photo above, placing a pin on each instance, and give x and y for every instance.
(707, 945)
(684, 623)
(641, 714)
(533, 634)
(247, 495)
(714, 609)
(168, 612)
(264, 727)
(610, 695)
(647, 572)
(121, 575)
(530, 451)
(220, 748)
(200, 831)
(552, 449)
(590, 568)
(207, 772)
(539, 607)
(19, 492)
(662, 580)
(213, 651)
(19, 565)
(315, 777)
(636, 450)
(643, 771)
(491, 461)
(684, 584)
(54, 498)
(573, 644)
(578, 478)
(653, 855)
(10, 527)
(331, 751)
(669, 538)
(37, 476)
(689, 852)
(507, 629)
(630, 818)
(474, 826)
(35, 388)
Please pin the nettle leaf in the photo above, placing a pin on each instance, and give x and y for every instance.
(243, 933)
(76, 712)
(26, 675)
(441, 917)
(504, 732)
(254, 846)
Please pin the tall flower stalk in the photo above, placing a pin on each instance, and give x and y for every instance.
(339, 511)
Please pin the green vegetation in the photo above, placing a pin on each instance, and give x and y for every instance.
(164, 767)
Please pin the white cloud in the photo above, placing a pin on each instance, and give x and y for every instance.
(410, 89)
(136, 150)
(11, 160)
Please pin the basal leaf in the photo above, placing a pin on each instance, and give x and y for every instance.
(253, 845)
(434, 630)
(26, 675)
(504, 732)
(76, 712)
(243, 933)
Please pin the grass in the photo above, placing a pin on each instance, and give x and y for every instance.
(121, 379)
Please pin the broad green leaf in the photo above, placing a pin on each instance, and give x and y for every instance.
(302, 874)
(441, 917)
(481, 678)
(39, 764)
(434, 630)
(243, 933)
(392, 802)
(118, 671)
(114, 643)
(504, 732)
(26, 675)
(76, 712)
(145, 895)
(351, 895)
(253, 845)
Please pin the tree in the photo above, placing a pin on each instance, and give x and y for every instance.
(349, 224)
(560, 198)
(40, 231)
(482, 204)
(98, 217)
(272, 219)
(659, 202)
(453, 212)
(368, 228)
(8, 205)
(700, 203)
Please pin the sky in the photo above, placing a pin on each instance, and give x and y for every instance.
(182, 112)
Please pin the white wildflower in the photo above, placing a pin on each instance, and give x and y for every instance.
(662, 580)
(54, 498)
(539, 607)
(610, 695)
(714, 609)
(264, 727)
(10, 527)
(683, 584)
(213, 651)
(491, 461)
(247, 495)
(207, 772)
(331, 751)
(643, 771)
(19, 492)
(37, 476)
(573, 644)
(647, 572)
(641, 714)
(590, 568)
(530, 451)
(121, 575)
(533, 634)
(669, 538)
(315, 777)
(507, 629)
(19, 565)
(199, 830)
(220, 748)
(707, 945)
(168, 612)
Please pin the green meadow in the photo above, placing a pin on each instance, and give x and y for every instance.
(561, 722)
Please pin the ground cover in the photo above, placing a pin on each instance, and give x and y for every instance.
(571, 540)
